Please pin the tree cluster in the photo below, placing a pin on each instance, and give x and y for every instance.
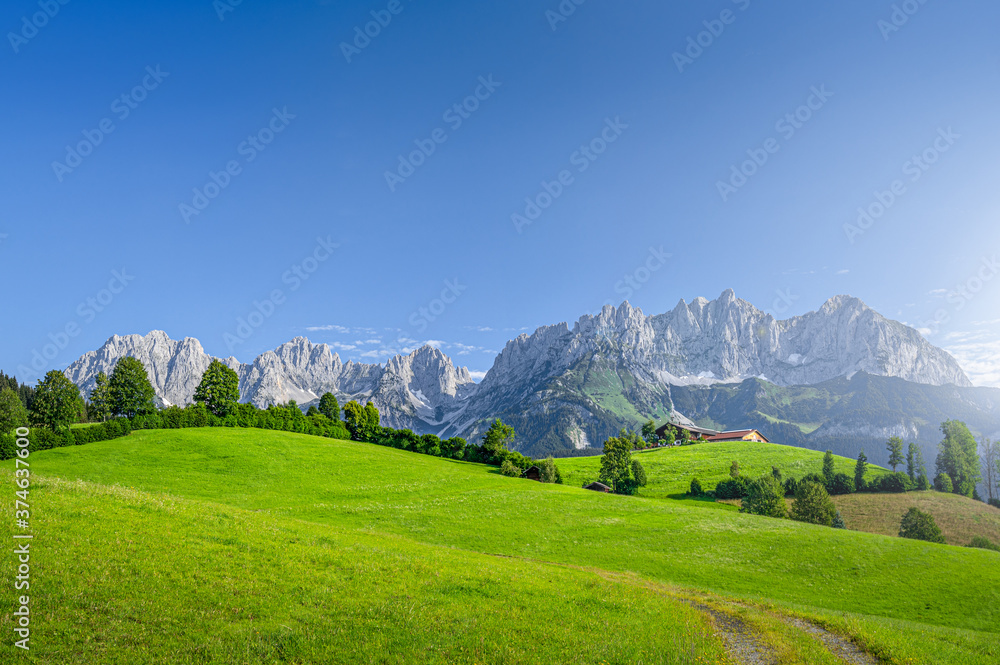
(619, 471)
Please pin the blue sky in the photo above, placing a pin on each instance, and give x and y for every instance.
(245, 169)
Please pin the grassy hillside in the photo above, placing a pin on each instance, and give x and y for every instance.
(125, 576)
(293, 547)
(959, 518)
(670, 470)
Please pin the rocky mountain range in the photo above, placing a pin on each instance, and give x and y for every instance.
(566, 388)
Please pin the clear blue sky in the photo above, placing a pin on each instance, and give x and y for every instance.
(609, 69)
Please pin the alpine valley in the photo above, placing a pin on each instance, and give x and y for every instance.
(843, 377)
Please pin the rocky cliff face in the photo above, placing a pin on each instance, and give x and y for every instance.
(415, 391)
(567, 386)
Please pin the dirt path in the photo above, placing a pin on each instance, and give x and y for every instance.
(839, 646)
(740, 642)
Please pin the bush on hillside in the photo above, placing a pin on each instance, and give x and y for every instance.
(984, 544)
(813, 478)
(696, 488)
(813, 505)
(791, 486)
(765, 496)
(942, 483)
(508, 469)
(919, 525)
(840, 483)
(838, 521)
(891, 483)
(731, 488)
(922, 483)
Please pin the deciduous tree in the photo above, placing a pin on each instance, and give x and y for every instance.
(57, 402)
(618, 469)
(497, 441)
(100, 398)
(895, 448)
(920, 526)
(989, 455)
(219, 389)
(329, 406)
(813, 505)
(129, 391)
(958, 458)
(765, 496)
(12, 411)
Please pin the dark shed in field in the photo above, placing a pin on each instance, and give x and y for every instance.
(533, 473)
(597, 487)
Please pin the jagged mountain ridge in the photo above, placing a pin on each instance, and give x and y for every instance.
(563, 387)
(417, 390)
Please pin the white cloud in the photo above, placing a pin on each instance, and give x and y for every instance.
(334, 328)
(978, 352)
(477, 376)
(843, 272)
(343, 347)
(937, 293)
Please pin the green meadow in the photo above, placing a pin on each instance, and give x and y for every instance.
(254, 546)
(670, 470)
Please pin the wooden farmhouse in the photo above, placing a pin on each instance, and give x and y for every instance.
(679, 424)
(597, 487)
(740, 435)
(533, 473)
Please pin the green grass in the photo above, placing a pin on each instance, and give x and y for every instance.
(960, 518)
(670, 470)
(361, 551)
(124, 576)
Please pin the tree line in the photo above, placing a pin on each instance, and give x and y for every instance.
(125, 401)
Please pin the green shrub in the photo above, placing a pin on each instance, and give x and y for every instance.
(509, 469)
(891, 483)
(813, 505)
(765, 496)
(731, 488)
(922, 483)
(838, 521)
(918, 525)
(984, 544)
(696, 489)
(942, 483)
(8, 446)
(840, 483)
(791, 485)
